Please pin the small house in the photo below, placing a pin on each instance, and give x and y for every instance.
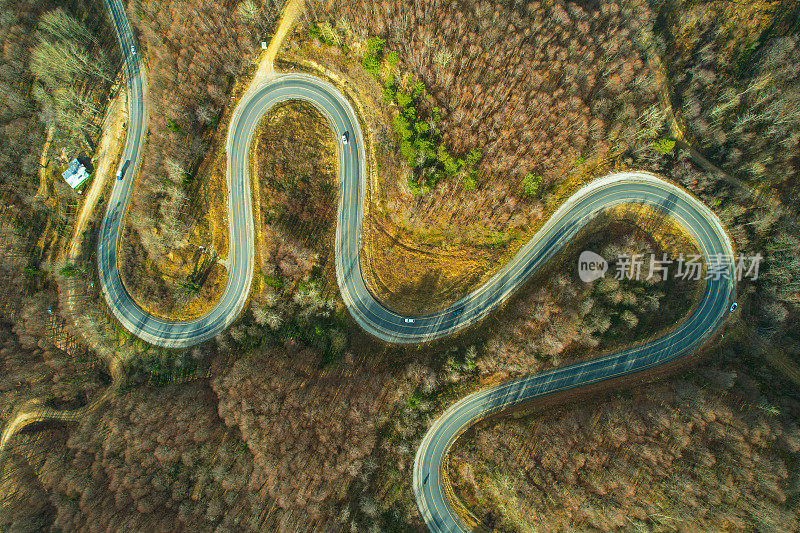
(75, 174)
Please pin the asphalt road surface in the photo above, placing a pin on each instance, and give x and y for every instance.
(430, 489)
(588, 202)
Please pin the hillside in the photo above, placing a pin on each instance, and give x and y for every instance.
(480, 119)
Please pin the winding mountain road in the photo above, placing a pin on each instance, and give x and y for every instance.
(430, 489)
(428, 484)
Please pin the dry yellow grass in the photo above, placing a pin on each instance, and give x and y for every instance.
(211, 232)
(412, 269)
(293, 155)
(410, 277)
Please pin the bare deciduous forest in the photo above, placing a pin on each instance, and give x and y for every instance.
(691, 454)
(22, 134)
(196, 51)
(534, 88)
(293, 419)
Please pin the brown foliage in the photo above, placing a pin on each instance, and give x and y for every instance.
(534, 87)
(21, 133)
(296, 159)
(33, 369)
(673, 455)
(561, 319)
(154, 459)
(309, 430)
(194, 49)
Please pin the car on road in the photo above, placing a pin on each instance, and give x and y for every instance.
(133, 50)
(734, 305)
(409, 320)
(345, 137)
(122, 169)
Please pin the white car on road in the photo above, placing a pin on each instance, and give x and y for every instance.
(345, 136)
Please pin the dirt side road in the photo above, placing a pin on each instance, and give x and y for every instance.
(108, 150)
(290, 12)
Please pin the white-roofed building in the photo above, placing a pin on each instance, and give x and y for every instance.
(75, 174)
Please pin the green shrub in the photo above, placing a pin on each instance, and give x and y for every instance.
(375, 46)
(324, 33)
(664, 146)
(530, 184)
(273, 281)
(469, 182)
(471, 168)
(173, 126)
(371, 57)
(418, 135)
(189, 287)
(370, 64)
(70, 271)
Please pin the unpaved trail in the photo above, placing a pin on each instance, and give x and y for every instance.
(677, 129)
(108, 152)
(291, 10)
(109, 148)
(35, 411)
(41, 192)
(32, 412)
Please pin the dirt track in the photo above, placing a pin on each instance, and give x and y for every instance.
(108, 150)
(290, 12)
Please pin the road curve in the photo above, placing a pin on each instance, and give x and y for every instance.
(367, 311)
(624, 187)
(430, 490)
